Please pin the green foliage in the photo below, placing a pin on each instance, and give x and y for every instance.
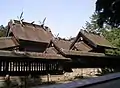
(109, 12)
(92, 26)
(111, 34)
(114, 37)
(3, 31)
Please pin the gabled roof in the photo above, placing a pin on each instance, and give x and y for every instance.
(8, 42)
(65, 44)
(62, 43)
(51, 50)
(67, 52)
(93, 39)
(82, 46)
(30, 32)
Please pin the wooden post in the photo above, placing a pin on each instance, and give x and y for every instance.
(6, 67)
(48, 80)
(29, 66)
(7, 80)
(25, 81)
(0, 65)
(47, 70)
(81, 72)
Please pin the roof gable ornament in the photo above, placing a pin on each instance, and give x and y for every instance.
(43, 22)
(13, 22)
(32, 22)
(21, 18)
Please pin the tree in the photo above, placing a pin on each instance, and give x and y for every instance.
(111, 34)
(92, 26)
(109, 12)
(114, 37)
(3, 31)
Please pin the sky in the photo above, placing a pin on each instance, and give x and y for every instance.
(65, 17)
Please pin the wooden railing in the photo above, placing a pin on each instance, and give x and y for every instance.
(26, 66)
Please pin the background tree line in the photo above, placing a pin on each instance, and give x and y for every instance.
(3, 30)
(112, 34)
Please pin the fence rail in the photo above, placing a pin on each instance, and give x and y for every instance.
(19, 67)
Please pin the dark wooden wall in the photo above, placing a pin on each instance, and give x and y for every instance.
(25, 66)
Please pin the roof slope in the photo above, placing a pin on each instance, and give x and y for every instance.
(30, 32)
(51, 50)
(67, 52)
(96, 39)
(7, 42)
(62, 43)
(81, 46)
(81, 53)
(93, 39)
(32, 55)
